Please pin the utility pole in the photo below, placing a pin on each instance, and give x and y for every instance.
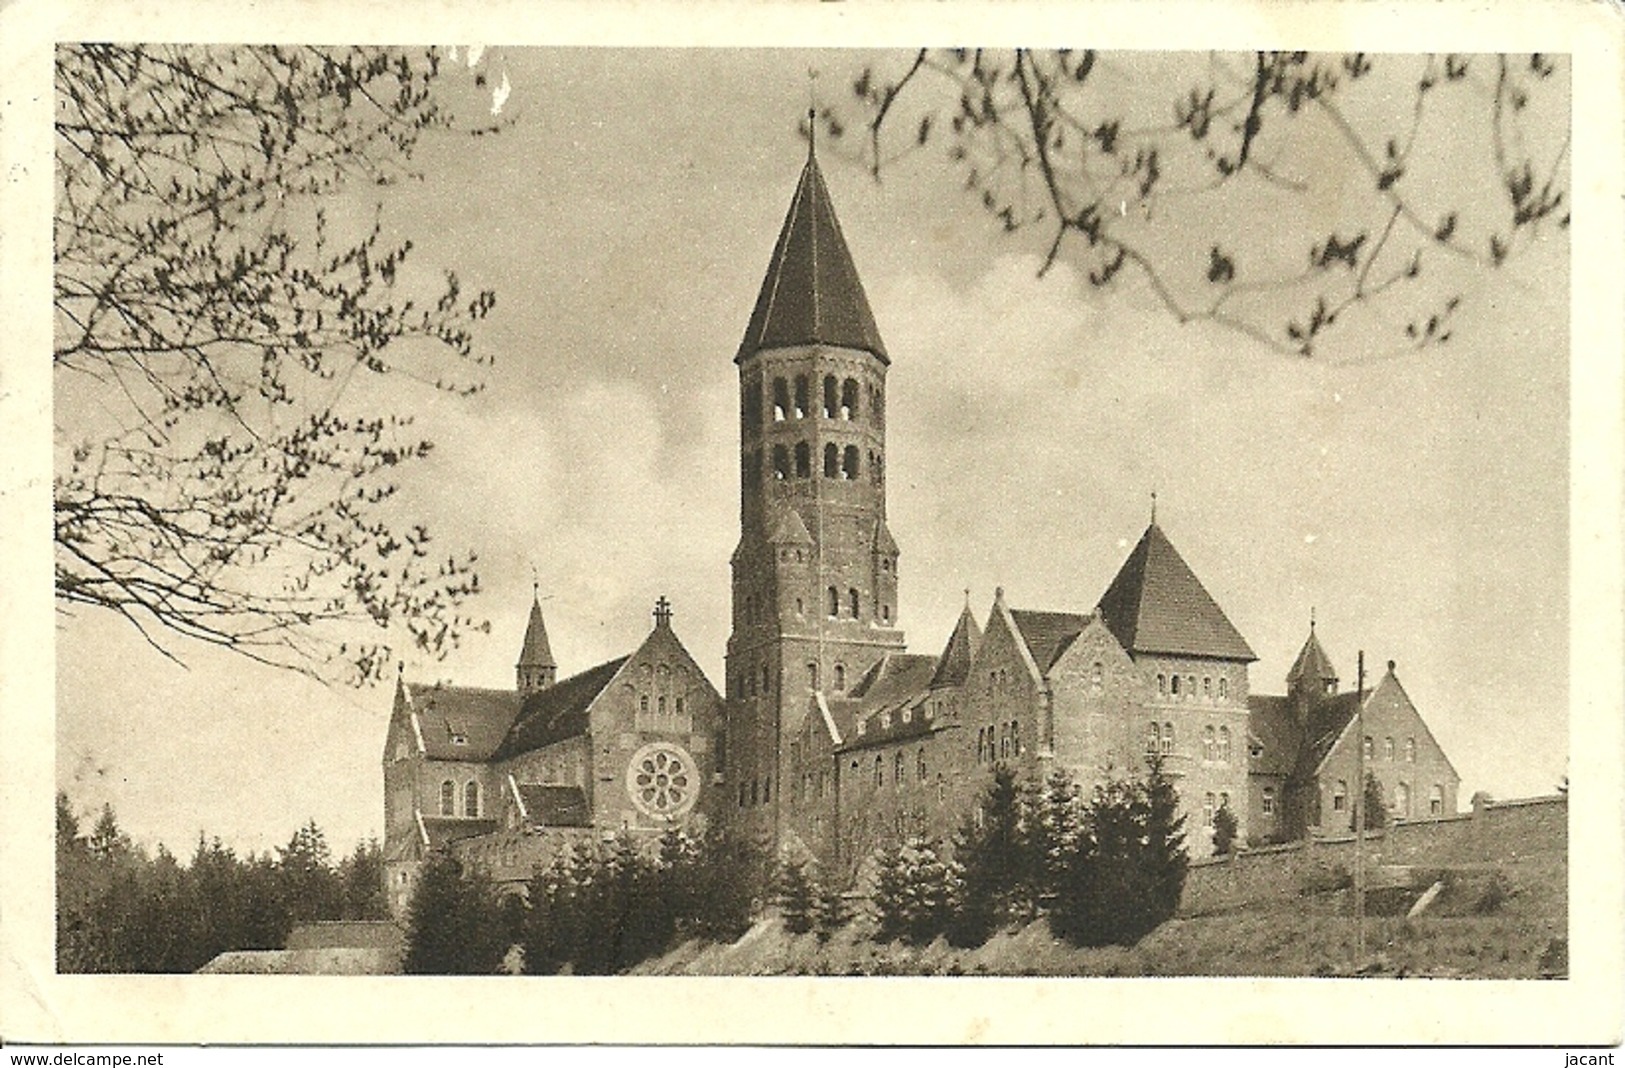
(1359, 814)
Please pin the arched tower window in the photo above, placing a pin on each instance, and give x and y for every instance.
(852, 602)
(781, 400)
(1153, 739)
(840, 678)
(1209, 748)
(849, 464)
(849, 399)
(471, 799)
(781, 463)
(803, 460)
(801, 396)
(812, 676)
(829, 397)
(832, 461)
(448, 798)
(1167, 739)
(1224, 744)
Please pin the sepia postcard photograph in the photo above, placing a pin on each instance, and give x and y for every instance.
(765, 505)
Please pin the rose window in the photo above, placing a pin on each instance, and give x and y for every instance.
(662, 780)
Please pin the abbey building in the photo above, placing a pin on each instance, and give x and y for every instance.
(830, 737)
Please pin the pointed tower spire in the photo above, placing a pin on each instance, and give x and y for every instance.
(535, 669)
(811, 294)
(953, 666)
(1312, 671)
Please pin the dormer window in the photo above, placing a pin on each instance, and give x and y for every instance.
(885, 720)
(908, 715)
(862, 724)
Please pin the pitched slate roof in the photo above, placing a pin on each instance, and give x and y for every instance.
(1326, 722)
(1271, 722)
(811, 294)
(1048, 634)
(1312, 663)
(536, 652)
(555, 806)
(896, 682)
(1156, 604)
(558, 712)
(953, 666)
(480, 717)
(443, 830)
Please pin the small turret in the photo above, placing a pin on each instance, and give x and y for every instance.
(535, 669)
(1312, 676)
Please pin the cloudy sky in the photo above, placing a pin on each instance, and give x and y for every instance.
(1417, 502)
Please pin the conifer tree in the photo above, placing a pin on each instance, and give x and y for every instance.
(993, 857)
(798, 896)
(1375, 807)
(1224, 831)
(454, 925)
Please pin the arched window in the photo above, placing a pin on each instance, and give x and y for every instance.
(919, 764)
(880, 770)
(1015, 737)
(1224, 744)
(849, 464)
(829, 397)
(1207, 810)
(660, 705)
(812, 676)
(1176, 685)
(1097, 676)
(885, 613)
(801, 396)
(1224, 688)
(643, 704)
(840, 678)
(834, 602)
(1190, 687)
(1267, 805)
(1388, 749)
(832, 461)
(849, 399)
(1207, 687)
(1410, 750)
(877, 468)
(1004, 742)
(781, 400)
(803, 460)
(897, 769)
(471, 799)
(1153, 739)
(1340, 796)
(1162, 684)
(1402, 801)
(852, 602)
(448, 798)
(1209, 748)
(1436, 800)
(781, 463)
(1167, 739)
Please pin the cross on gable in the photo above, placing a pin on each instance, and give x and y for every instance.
(662, 612)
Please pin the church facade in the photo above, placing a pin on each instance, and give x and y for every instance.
(830, 737)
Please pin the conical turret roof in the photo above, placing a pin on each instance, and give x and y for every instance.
(953, 666)
(536, 652)
(811, 295)
(1312, 663)
(1156, 604)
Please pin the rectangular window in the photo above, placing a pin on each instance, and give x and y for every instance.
(1268, 807)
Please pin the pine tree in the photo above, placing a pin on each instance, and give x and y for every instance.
(798, 897)
(454, 922)
(1167, 859)
(1376, 809)
(891, 893)
(1052, 836)
(832, 913)
(1224, 831)
(993, 857)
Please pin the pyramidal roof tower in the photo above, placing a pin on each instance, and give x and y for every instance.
(1156, 604)
(811, 294)
(535, 669)
(1312, 667)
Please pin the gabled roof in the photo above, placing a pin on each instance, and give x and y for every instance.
(443, 830)
(953, 666)
(894, 675)
(558, 712)
(1312, 663)
(789, 529)
(1270, 721)
(536, 652)
(896, 682)
(1048, 634)
(555, 806)
(811, 294)
(1327, 720)
(479, 717)
(1156, 604)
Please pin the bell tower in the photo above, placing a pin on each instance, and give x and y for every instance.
(815, 572)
